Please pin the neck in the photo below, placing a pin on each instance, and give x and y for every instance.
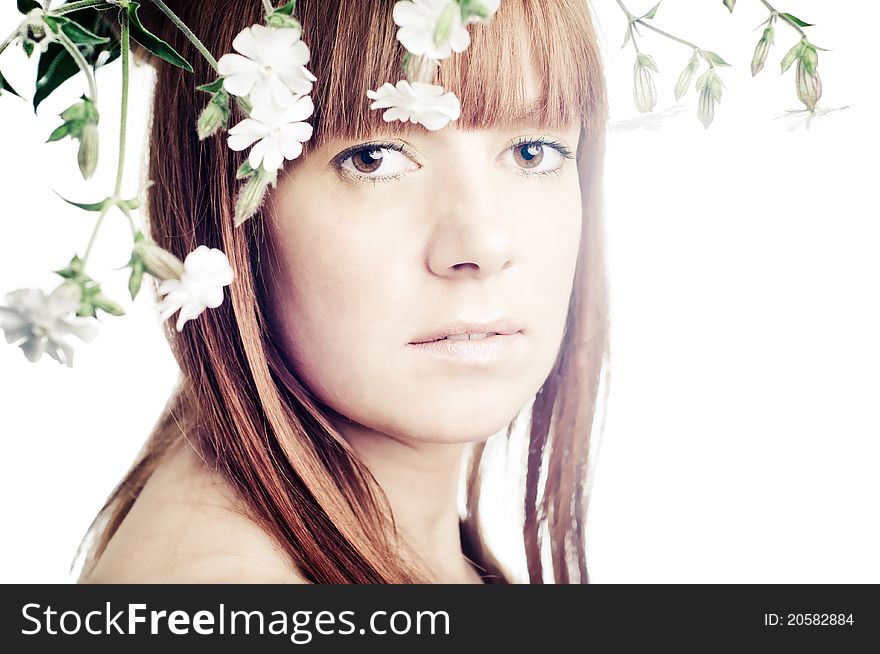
(421, 482)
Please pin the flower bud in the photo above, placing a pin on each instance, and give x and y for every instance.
(250, 198)
(684, 80)
(160, 263)
(644, 91)
(710, 88)
(763, 47)
(214, 115)
(809, 86)
(706, 107)
(87, 157)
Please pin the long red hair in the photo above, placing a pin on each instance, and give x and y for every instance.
(239, 403)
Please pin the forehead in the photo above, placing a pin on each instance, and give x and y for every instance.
(511, 75)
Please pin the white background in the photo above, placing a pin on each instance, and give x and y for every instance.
(741, 440)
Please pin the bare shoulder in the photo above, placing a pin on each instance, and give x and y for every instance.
(188, 526)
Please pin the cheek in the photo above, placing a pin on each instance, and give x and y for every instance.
(550, 260)
(339, 297)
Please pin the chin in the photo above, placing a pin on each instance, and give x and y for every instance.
(448, 425)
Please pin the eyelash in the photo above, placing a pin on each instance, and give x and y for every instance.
(397, 147)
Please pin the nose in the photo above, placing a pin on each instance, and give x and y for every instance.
(474, 234)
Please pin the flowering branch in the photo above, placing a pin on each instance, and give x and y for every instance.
(709, 85)
(37, 322)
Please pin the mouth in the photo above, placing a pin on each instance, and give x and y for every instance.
(476, 349)
(470, 330)
(463, 337)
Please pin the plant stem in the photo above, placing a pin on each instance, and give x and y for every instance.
(633, 19)
(674, 38)
(130, 220)
(785, 18)
(123, 122)
(625, 10)
(94, 234)
(124, 45)
(187, 32)
(268, 5)
(69, 45)
(76, 6)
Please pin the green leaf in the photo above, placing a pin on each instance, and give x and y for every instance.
(796, 20)
(791, 55)
(244, 170)
(810, 58)
(730, 4)
(25, 6)
(137, 276)
(28, 47)
(108, 305)
(73, 271)
(213, 87)
(647, 61)
(74, 31)
(287, 9)
(152, 42)
(713, 58)
(56, 65)
(94, 206)
(5, 86)
(651, 13)
(60, 132)
(129, 205)
(627, 36)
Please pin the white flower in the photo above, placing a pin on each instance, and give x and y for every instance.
(271, 65)
(431, 27)
(417, 103)
(205, 272)
(38, 324)
(278, 133)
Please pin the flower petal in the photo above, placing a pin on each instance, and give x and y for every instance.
(235, 64)
(295, 133)
(247, 44)
(272, 155)
(188, 312)
(256, 155)
(459, 39)
(302, 109)
(33, 348)
(245, 133)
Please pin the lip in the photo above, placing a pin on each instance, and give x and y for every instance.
(502, 326)
(491, 349)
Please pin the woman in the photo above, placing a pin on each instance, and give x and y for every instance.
(312, 438)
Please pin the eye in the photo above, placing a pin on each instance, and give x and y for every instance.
(363, 162)
(533, 157)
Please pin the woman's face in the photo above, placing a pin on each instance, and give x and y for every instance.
(379, 243)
